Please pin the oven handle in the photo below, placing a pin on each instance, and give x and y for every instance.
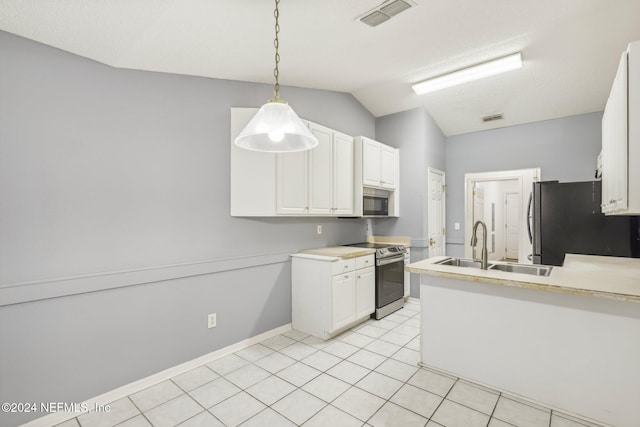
(385, 261)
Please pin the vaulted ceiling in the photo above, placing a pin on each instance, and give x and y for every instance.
(570, 48)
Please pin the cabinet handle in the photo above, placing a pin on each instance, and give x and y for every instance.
(346, 276)
(359, 277)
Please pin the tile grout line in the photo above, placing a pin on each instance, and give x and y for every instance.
(493, 411)
(325, 371)
(198, 403)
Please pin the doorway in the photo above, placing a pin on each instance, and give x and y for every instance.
(498, 199)
(436, 213)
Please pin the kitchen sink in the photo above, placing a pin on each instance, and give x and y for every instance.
(460, 262)
(535, 270)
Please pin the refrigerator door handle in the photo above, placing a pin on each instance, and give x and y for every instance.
(529, 217)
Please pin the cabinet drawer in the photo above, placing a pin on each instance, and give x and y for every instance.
(343, 266)
(365, 261)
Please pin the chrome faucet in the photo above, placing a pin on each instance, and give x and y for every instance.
(484, 263)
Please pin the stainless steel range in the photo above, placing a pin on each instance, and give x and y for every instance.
(389, 277)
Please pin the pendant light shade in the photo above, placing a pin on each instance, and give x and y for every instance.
(276, 128)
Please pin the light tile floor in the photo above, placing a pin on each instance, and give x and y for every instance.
(366, 376)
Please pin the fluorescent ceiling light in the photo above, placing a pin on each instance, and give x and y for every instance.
(486, 69)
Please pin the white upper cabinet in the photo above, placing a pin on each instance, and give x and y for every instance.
(388, 167)
(253, 173)
(379, 164)
(376, 165)
(371, 153)
(342, 174)
(321, 172)
(317, 182)
(292, 183)
(621, 139)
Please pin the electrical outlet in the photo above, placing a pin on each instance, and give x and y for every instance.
(319, 229)
(212, 320)
(456, 226)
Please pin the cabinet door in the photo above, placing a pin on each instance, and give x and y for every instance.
(342, 174)
(615, 144)
(371, 163)
(321, 172)
(388, 167)
(292, 183)
(365, 292)
(343, 300)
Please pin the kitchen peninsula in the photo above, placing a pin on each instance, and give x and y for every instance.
(570, 340)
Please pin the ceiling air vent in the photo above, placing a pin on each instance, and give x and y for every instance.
(492, 117)
(385, 11)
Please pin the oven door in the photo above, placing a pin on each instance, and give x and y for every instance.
(389, 280)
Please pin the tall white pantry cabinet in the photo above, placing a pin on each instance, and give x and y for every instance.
(621, 139)
(329, 294)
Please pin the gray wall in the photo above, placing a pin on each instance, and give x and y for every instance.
(564, 149)
(107, 170)
(421, 145)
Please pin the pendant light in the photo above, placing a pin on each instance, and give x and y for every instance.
(276, 127)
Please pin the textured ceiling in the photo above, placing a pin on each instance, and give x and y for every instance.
(570, 48)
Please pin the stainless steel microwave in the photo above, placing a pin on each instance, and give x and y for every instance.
(375, 202)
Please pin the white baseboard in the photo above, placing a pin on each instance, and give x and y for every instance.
(136, 386)
(515, 396)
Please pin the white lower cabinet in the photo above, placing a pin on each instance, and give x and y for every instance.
(365, 292)
(329, 295)
(343, 300)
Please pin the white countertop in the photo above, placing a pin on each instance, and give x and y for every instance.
(342, 252)
(396, 240)
(608, 277)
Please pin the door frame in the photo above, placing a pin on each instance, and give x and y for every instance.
(431, 170)
(525, 177)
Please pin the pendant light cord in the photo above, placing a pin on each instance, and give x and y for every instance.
(276, 44)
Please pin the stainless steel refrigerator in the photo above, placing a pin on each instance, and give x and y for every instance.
(566, 218)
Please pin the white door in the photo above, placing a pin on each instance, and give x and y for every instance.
(321, 172)
(292, 183)
(388, 167)
(365, 291)
(436, 213)
(343, 300)
(343, 174)
(370, 162)
(512, 225)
